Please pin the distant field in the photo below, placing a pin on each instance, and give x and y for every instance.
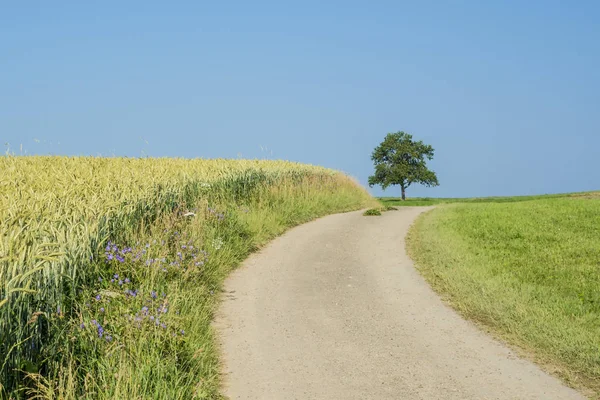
(527, 270)
(431, 201)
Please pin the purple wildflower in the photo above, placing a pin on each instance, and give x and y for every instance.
(109, 256)
(101, 309)
(127, 280)
(182, 332)
(163, 325)
(153, 294)
(98, 297)
(120, 282)
(108, 338)
(82, 325)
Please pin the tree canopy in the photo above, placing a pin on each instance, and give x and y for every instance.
(400, 160)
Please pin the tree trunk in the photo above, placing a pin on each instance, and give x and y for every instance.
(403, 193)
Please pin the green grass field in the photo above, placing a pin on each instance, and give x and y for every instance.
(432, 201)
(529, 271)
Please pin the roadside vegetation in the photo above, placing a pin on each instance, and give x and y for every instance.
(372, 212)
(377, 211)
(111, 268)
(526, 268)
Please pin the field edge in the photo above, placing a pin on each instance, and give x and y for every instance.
(414, 248)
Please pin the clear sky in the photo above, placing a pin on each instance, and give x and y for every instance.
(507, 92)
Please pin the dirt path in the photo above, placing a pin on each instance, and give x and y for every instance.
(334, 309)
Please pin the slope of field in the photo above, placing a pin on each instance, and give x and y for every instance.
(110, 267)
(527, 270)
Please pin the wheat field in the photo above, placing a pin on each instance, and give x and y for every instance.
(94, 251)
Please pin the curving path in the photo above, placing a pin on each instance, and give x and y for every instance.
(334, 309)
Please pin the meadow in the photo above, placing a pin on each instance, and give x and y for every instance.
(111, 268)
(526, 271)
(433, 201)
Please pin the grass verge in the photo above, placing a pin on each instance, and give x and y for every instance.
(528, 271)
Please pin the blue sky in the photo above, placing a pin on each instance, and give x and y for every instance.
(507, 92)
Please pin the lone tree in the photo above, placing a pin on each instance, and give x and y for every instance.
(399, 160)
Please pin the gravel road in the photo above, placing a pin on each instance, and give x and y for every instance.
(334, 309)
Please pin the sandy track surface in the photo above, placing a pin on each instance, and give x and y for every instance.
(334, 309)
